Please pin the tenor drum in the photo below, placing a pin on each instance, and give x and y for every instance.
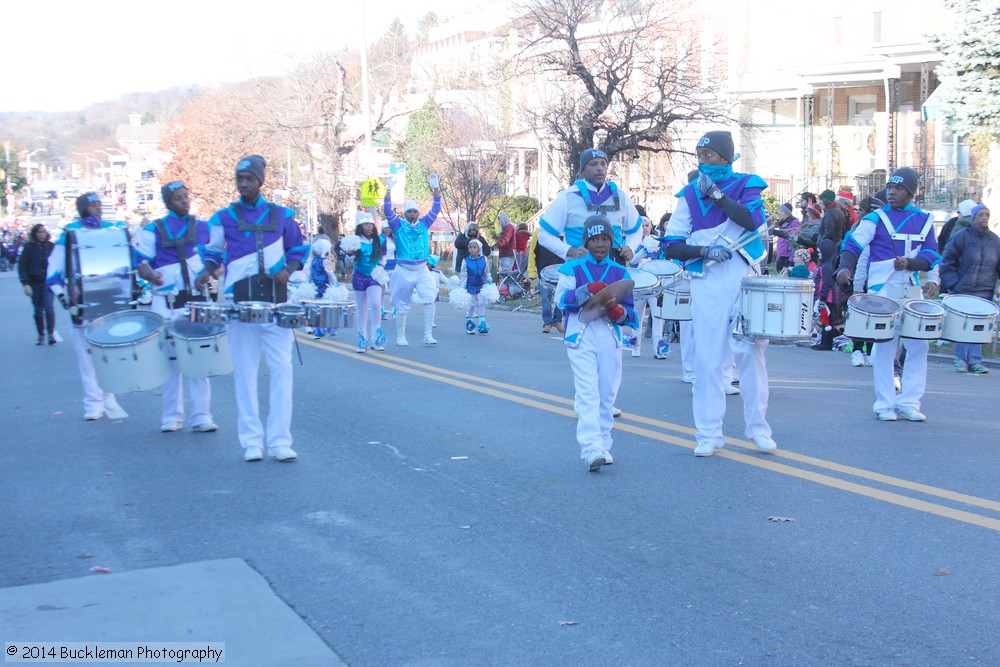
(129, 349)
(922, 319)
(255, 312)
(662, 268)
(969, 319)
(202, 349)
(871, 317)
(549, 276)
(329, 314)
(778, 309)
(290, 315)
(646, 284)
(676, 300)
(99, 270)
(206, 312)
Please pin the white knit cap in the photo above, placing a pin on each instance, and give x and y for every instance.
(965, 207)
(410, 205)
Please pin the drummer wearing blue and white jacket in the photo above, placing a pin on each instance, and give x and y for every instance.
(260, 244)
(168, 255)
(901, 242)
(714, 211)
(594, 348)
(96, 402)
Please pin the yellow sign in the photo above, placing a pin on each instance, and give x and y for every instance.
(372, 192)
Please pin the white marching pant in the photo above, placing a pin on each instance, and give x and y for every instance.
(597, 374)
(687, 346)
(714, 300)
(93, 396)
(246, 343)
(368, 303)
(199, 389)
(914, 378)
(409, 283)
(650, 304)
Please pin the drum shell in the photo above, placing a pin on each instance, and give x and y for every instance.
(549, 276)
(676, 301)
(329, 314)
(646, 284)
(254, 312)
(202, 355)
(206, 312)
(99, 270)
(921, 319)
(962, 326)
(779, 309)
(137, 363)
(290, 316)
(862, 324)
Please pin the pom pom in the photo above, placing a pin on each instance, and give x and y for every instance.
(350, 243)
(302, 292)
(491, 293)
(460, 299)
(453, 282)
(651, 245)
(338, 292)
(381, 276)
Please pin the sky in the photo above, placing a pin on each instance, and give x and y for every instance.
(71, 54)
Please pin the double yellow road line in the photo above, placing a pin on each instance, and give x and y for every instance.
(653, 429)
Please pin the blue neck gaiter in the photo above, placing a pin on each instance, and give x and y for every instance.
(717, 172)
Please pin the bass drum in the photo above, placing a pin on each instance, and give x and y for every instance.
(129, 350)
(202, 349)
(99, 278)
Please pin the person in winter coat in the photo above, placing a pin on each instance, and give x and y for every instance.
(835, 221)
(472, 231)
(971, 265)
(786, 231)
(506, 242)
(32, 267)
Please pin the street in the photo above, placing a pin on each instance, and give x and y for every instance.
(439, 513)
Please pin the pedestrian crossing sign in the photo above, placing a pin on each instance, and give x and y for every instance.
(372, 192)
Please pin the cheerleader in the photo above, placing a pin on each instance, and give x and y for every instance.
(369, 280)
(474, 275)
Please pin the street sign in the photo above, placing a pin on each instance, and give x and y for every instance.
(372, 192)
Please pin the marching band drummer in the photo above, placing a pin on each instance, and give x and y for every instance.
(901, 241)
(96, 402)
(260, 244)
(594, 348)
(168, 253)
(721, 203)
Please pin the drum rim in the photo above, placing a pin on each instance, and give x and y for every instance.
(909, 306)
(978, 299)
(146, 314)
(178, 334)
(855, 298)
(678, 268)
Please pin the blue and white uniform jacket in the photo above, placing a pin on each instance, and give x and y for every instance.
(572, 295)
(149, 246)
(571, 208)
(890, 233)
(412, 240)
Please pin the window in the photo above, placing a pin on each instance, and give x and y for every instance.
(861, 110)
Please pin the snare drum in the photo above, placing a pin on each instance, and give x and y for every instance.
(99, 270)
(549, 276)
(129, 349)
(969, 319)
(329, 314)
(202, 349)
(871, 317)
(290, 315)
(646, 284)
(255, 312)
(662, 268)
(922, 319)
(778, 309)
(676, 300)
(207, 312)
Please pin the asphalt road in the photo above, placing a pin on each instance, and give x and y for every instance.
(439, 513)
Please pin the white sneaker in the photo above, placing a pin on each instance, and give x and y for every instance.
(898, 383)
(616, 411)
(401, 341)
(868, 360)
(911, 414)
(705, 449)
(170, 427)
(253, 454)
(857, 358)
(282, 453)
(595, 461)
(93, 415)
(607, 459)
(887, 415)
(429, 340)
(765, 443)
(687, 376)
(730, 389)
(207, 427)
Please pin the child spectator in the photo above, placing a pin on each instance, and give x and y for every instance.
(474, 275)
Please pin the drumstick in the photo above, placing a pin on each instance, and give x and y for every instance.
(732, 247)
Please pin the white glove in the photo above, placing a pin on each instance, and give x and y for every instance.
(434, 181)
(705, 184)
(390, 183)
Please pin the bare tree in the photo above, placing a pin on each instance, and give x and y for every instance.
(622, 73)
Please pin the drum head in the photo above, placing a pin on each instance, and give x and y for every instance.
(873, 304)
(969, 305)
(662, 267)
(127, 326)
(550, 274)
(924, 307)
(644, 280)
(182, 327)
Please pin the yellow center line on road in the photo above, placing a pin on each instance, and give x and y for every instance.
(458, 380)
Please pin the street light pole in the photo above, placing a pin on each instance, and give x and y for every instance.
(27, 160)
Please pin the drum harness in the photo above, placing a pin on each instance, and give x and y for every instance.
(260, 286)
(180, 243)
(910, 250)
